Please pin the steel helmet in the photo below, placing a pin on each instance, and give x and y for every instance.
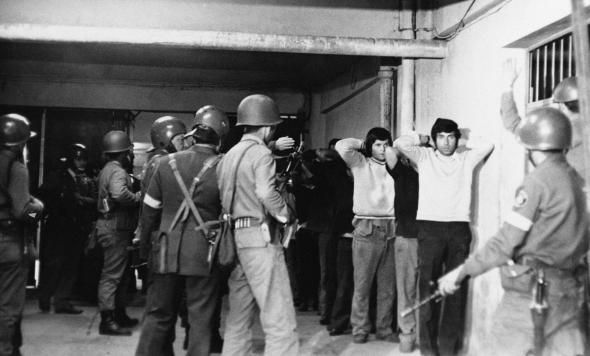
(545, 129)
(164, 129)
(14, 130)
(212, 117)
(258, 110)
(116, 141)
(78, 151)
(566, 90)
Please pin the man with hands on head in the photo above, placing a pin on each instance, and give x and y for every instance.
(374, 230)
(544, 236)
(444, 235)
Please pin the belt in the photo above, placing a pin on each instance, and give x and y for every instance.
(242, 223)
(551, 272)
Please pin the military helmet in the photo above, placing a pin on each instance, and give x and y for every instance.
(164, 129)
(78, 151)
(212, 117)
(258, 110)
(14, 130)
(116, 141)
(545, 129)
(566, 90)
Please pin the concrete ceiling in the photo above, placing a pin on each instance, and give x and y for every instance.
(170, 66)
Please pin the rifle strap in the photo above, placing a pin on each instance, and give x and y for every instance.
(188, 201)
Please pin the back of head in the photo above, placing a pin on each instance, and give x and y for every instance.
(164, 129)
(545, 129)
(77, 151)
(116, 141)
(444, 125)
(566, 91)
(211, 126)
(374, 134)
(14, 130)
(258, 110)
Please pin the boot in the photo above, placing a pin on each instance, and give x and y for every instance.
(123, 319)
(108, 325)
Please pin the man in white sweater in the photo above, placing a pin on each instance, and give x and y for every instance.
(444, 235)
(374, 230)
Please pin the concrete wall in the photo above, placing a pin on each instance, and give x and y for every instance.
(466, 87)
(322, 17)
(336, 118)
(130, 95)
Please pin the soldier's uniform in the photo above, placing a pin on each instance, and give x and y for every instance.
(114, 228)
(71, 198)
(260, 277)
(546, 230)
(17, 208)
(185, 262)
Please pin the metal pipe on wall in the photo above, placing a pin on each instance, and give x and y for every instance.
(406, 84)
(216, 40)
(386, 96)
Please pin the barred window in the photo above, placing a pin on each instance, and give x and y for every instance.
(548, 65)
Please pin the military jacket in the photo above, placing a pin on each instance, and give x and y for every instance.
(186, 249)
(548, 222)
(16, 203)
(116, 201)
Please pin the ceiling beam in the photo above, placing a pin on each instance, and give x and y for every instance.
(378, 47)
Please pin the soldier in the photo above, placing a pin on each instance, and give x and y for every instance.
(565, 95)
(185, 267)
(70, 195)
(17, 208)
(117, 207)
(166, 134)
(247, 184)
(543, 239)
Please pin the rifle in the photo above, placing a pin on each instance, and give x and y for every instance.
(285, 186)
(436, 296)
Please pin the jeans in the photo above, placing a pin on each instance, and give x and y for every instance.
(406, 270)
(442, 246)
(340, 318)
(260, 279)
(373, 256)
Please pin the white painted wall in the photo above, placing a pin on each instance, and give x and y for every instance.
(466, 87)
(354, 117)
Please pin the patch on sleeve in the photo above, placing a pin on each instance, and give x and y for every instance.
(520, 199)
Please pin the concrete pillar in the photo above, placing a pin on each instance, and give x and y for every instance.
(406, 96)
(386, 97)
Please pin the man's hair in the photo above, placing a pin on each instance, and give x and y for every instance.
(333, 142)
(205, 135)
(374, 134)
(573, 106)
(444, 125)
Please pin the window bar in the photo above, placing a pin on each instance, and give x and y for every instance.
(553, 58)
(531, 90)
(569, 54)
(561, 58)
(545, 62)
(538, 50)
